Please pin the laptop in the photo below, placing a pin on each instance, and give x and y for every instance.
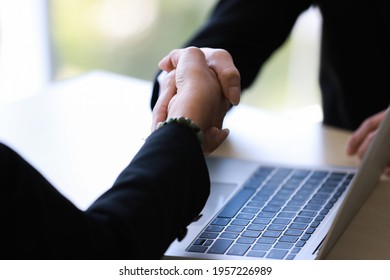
(264, 211)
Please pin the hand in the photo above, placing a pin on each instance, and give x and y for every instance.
(191, 89)
(218, 60)
(222, 63)
(361, 139)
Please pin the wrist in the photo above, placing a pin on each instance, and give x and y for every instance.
(185, 122)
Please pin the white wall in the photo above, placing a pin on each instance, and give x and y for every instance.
(24, 48)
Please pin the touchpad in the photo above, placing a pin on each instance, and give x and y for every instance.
(219, 195)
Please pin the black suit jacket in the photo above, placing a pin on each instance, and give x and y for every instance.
(151, 203)
(355, 49)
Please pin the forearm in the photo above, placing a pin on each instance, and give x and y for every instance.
(154, 198)
(161, 191)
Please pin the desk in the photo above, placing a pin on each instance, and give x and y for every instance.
(82, 132)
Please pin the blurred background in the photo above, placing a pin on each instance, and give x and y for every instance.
(44, 41)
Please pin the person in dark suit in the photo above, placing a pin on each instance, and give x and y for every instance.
(354, 61)
(153, 200)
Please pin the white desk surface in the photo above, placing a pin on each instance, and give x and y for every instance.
(82, 132)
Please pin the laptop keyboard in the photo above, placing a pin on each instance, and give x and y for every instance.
(274, 214)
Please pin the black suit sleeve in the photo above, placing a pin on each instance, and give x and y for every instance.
(152, 201)
(249, 30)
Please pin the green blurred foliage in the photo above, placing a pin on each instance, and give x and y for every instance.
(79, 45)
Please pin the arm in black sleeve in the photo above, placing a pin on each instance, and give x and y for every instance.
(151, 203)
(249, 30)
(163, 189)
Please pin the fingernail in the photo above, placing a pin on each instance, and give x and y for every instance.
(234, 95)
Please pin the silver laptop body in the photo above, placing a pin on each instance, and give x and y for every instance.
(261, 211)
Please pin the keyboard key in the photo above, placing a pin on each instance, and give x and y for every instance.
(283, 245)
(292, 208)
(277, 254)
(291, 256)
(209, 235)
(286, 215)
(315, 224)
(266, 240)
(231, 209)
(319, 174)
(257, 227)
(197, 249)
(245, 216)
(199, 241)
(270, 208)
(238, 250)
(256, 254)
(246, 240)
(251, 233)
(220, 246)
(293, 232)
(318, 201)
(262, 221)
(329, 205)
(214, 228)
(288, 238)
(277, 202)
(254, 183)
(305, 237)
(297, 202)
(282, 221)
(303, 220)
(261, 199)
(298, 226)
(235, 228)
(295, 250)
(257, 204)
(277, 227)
(322, 196)
(220, 221)
(284, 193)
(262, 247)
(324, 212)
(238, 222)
(310, 230)
(271, 233)
(266, 215)
(229, 235)
(250, 210)
(313, 207)
(319, 218)
(307, 213)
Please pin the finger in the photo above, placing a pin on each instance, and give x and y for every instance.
(167, 92)
(359, 136)
(221, 116)
(364, 146)
(171, 61)
(166, 63)
(228, 75)
(213, 138)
